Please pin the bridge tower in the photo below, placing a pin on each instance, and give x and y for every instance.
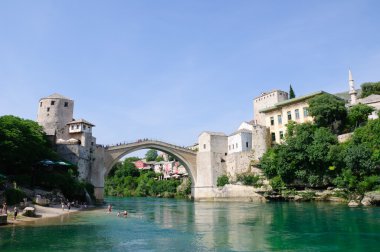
(54, 112)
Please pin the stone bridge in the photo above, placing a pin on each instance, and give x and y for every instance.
(108, 156)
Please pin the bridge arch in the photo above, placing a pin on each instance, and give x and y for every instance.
(186, 156)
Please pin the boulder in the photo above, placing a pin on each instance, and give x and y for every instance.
(29, 211)
(3, 219)
(373, 197)
(353, 203)
(366, 201)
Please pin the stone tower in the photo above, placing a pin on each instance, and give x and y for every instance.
(352, 91)
(54, 112)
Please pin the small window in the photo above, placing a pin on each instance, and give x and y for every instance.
(52, 102)
(272, 121)
(236, 145)
(77, 126)
(84, 127)
(273, 137)
(48, 109)
(246, 144)
(66, 104)
(72, 127)
(281, 135)
(305, 112)
(279, 119)
(297, 112)
(204, 146)
(40, 104)
(289, 115)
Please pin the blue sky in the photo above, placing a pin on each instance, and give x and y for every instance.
(172, 69)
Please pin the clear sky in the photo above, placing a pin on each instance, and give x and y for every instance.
(172, 69)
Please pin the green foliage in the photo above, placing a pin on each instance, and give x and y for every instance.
(303, 157)
(127, 181)
(159, 159)
(222, 180)
(369, 88)
(14, 196)
(358, 115)
(277, 183)
(328, 111)
(291, 93)
(22, 144)
(151, 155)
(249, 179)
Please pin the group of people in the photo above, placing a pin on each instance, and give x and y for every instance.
(119, 214)
(4, 210)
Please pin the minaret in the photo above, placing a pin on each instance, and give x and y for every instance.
(352, 92)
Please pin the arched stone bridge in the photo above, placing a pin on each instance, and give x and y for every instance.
(187, 156)
(107, 157)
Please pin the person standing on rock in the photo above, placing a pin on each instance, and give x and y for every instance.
(5, 208)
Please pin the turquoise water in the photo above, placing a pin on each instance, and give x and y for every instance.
(179, 225)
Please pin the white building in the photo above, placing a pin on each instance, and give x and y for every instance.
(240, 141)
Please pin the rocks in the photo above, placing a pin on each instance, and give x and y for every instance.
(3, 219)
(29, 212)
(371, 198)
(353, 203)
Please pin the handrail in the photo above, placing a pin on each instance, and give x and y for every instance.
(144, 140)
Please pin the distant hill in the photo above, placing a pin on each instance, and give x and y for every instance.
(346, 95)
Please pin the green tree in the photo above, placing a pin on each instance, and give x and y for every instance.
(151, 155)
(369, 88)
(328, 111)
(159, 159)
(22, 144)
(222, 180)
(358, 114)
(291, 92)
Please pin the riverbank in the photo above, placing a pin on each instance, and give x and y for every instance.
(43, 213)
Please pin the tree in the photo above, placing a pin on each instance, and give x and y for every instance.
(151, 155)
(369, 88)
(22, 144)
(291, 93)
(358, 114)
(328, 111)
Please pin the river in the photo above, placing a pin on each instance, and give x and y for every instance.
(179, 225)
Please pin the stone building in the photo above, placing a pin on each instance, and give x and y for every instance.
(72, 138)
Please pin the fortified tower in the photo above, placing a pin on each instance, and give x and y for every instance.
(54, 112)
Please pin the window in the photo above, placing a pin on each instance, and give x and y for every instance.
(52, 102)
(40, 104)
(272, 120)
(66, 104)
(273, 137)
(281, 135)
(48, 109)
(77, 126)
(84, 127)
(297, 112)
(289, 115)
(246, 144)
(305, 112)
(72, 127)
(236, 145)
(279, 119)
(204, 146)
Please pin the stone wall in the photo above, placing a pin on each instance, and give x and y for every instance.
(78, 155)
(238, 163)
(229, 193)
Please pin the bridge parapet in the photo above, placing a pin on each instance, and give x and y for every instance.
(148, 141)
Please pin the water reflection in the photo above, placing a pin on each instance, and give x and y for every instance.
(178, 225)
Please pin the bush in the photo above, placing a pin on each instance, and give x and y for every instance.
(222, 180)
(368, 184)
(249, 179)
(14, 196)
(277, 183)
